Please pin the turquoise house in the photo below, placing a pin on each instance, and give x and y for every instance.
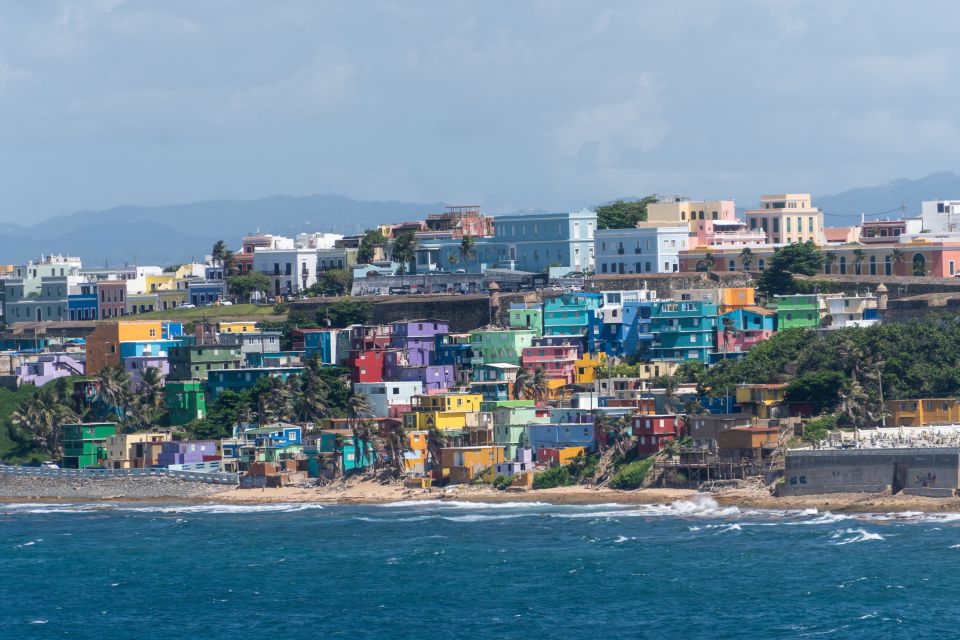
(683, 330)
(239, 380)
(570, 314)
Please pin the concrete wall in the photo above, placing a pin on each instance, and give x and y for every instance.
(922, 471)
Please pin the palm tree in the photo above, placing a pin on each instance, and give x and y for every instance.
(151, 388)
(40, 420)
(114, 395)
(829, 259)
(404, 250)
(670, 399)
(310, 402)
(468, 250)
(709, 260)
(858, 257)
(729, 330)
(539, 384)
(897, 257)
(451, 260)
(359, 413)
(436, 441)
(746, 258)
(521, 386)
(274, 402)
(219, 252)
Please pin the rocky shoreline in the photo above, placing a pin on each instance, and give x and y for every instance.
(14, 487)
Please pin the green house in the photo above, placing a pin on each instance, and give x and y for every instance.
(84, 445)
(186, 401)
(193, 362)
(527, 316)
(498, 345)
(800, 311)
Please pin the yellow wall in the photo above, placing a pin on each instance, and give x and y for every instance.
(237, 327)
(585, 371)
(569, 454)
(155, 283)
(103, 343)
(140, 330)
(919, 412)
(757, 399)
(440, 420)
(449, 402)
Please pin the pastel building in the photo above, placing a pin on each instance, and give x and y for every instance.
(48, 301)
(535, 241)
(702, 218)
(640, 250)
(557, 436)
(239, 380)
(111, 298)
(82, 301)
(570, 314)
(389, 399)
(683, 330)
(786, 218)
(558, 362)
(800, 311)
(526, 315)
(654, 432)
(290, 270)
(496, 345)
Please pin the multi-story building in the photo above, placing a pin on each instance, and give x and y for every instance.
(535, 241)
(654, 432)
(558, 362)
(111, 299)
(499, 345)
(798, 311)
(850, 311)
(239, 380)
(444, 411)
(290, 270)
(570, 314)
(702, 218)
(48, 302)
(764, 401)
(111, 341)
(195, 361)
(324, 343)
(186, 400)
(84, 445)
(335, 258)
(82, 301)
(918, 412)
(527, 315)
(940, 216)
(787, 218)
(641, 250)
(201, 292)
(683, 330)
(887, 231)
(389, 399)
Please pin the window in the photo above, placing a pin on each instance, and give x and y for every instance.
(887, 266)
(843, 264)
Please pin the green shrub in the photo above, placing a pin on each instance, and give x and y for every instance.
(816, 429)
(501, 483)
(555, 477)
(632, 475)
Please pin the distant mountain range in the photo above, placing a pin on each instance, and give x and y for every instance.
(169, 234)
(890, 200)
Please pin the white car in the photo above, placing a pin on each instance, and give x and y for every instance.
(188, 306)
(49, 465)
(226, 303)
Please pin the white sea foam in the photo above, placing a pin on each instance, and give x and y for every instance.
(462, 504)
(849, 536)
(284, 507)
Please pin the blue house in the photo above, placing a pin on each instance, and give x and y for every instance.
(535, 241)
(83, 304)
(238, 380)
(555, 436)
(570, 314)
(201, 292)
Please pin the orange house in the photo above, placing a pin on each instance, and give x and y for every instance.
(103, 343)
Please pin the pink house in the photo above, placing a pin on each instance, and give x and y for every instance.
(558, 361)
(111, 299)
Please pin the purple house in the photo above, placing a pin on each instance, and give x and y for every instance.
(418, 338)
(185, 452)
(49, 367)
(136, 365)
(434, 378)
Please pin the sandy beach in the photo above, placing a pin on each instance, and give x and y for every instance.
(376, 493)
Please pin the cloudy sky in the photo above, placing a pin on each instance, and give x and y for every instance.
(513, 105)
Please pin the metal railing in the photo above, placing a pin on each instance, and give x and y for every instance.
(190, 476)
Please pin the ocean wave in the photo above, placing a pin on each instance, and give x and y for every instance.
(850, 536)
(462, 504)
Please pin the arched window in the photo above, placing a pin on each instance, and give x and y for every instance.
(701, 266)
(683, 215)
(888, 266)
(733, 265)
(919, 265)
(760, 264)
(843, 264)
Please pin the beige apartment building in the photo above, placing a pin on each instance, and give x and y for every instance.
(787, 218)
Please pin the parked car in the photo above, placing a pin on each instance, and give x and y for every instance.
(188, 306)
(49, 465)
(226, 303)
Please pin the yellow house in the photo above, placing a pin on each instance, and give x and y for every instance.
(237, 327)
(103, 343)
(920, 412)
(159, 282)
(171, 298)
(415, 459)
(585, 368)
(464, 464)
(130, 450)
(445, 412)
(761, 400)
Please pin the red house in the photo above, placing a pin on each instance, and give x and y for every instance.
(366, 366)
(654, 432)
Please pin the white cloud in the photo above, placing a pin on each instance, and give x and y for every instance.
(599, 136)
(322, 82)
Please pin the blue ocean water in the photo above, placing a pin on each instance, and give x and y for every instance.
(428, 570)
